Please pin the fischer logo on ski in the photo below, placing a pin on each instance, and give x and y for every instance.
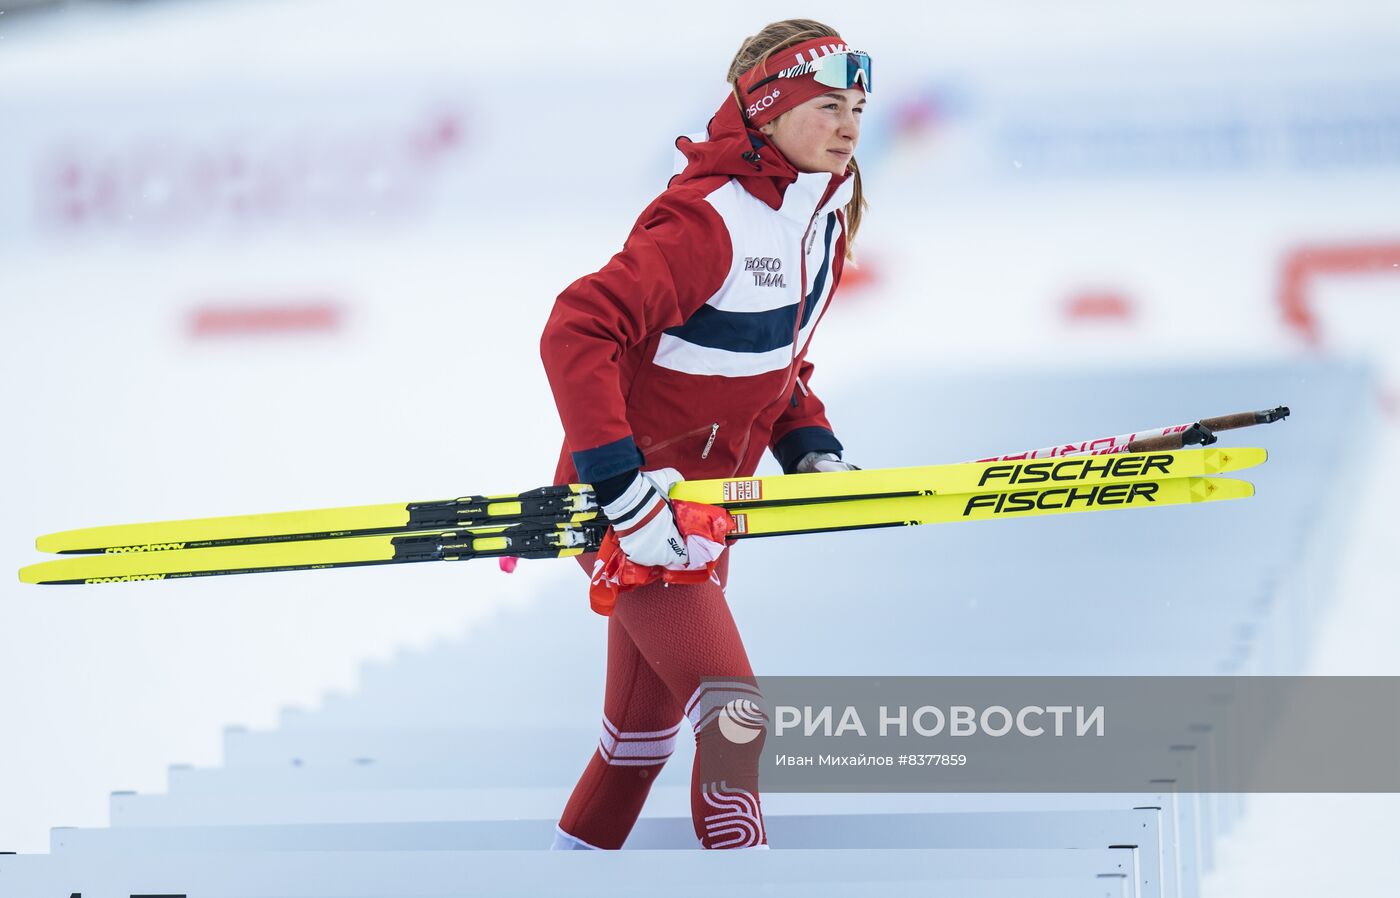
(1082, 468)
(743, 490)
(1067, 497)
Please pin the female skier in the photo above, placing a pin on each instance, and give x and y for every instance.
(686, 355)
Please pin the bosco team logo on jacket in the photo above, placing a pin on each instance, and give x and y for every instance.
(758, 321)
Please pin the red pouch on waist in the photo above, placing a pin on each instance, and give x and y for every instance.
(704, 528)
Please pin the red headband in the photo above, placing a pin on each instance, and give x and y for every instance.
(781, 83)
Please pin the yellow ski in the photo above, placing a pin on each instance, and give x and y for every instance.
(537, 540)
(559, 504)
(574, 503)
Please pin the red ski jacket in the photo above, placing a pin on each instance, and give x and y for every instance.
(688, 349)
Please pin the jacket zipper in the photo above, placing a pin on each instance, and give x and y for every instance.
(796, 329)
(803, 389)
(801, 299)
(709, 444)
(713, 429)
(802, 285)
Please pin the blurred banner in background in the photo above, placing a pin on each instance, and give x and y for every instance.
(1164, 182)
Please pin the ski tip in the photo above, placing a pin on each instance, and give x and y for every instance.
(1231, 459)
(67, 542)
(1228, 488)
(1246, 456)
(1217, 489)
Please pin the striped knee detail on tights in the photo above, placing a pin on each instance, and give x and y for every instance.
(635, 748)
(711, 696)
(736, 821)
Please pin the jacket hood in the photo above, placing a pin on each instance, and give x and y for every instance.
(733, 150)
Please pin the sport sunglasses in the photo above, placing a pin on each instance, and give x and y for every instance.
(842, 70)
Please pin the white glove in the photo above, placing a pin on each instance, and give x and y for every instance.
(822, 463)
(641, 517)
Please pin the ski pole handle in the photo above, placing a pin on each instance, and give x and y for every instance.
(1245, 419)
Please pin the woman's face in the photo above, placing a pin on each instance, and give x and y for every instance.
(821, 134)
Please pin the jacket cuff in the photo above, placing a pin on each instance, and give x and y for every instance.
(607, 460)
(792, 447)
(609, 489)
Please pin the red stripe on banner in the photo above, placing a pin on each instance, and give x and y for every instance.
(258, 320)
(859, 277)
(1305, 263)
(1099, 305)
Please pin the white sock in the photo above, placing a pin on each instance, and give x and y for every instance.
(565, 842)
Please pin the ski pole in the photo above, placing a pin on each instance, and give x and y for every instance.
(1161, 439)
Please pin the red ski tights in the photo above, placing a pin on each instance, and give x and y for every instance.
(663, 641)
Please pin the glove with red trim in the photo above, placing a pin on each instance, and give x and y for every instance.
(642, 519)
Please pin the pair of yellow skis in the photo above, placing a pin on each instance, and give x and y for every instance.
(564, 520)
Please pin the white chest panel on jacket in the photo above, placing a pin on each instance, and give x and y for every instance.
(748, 326)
